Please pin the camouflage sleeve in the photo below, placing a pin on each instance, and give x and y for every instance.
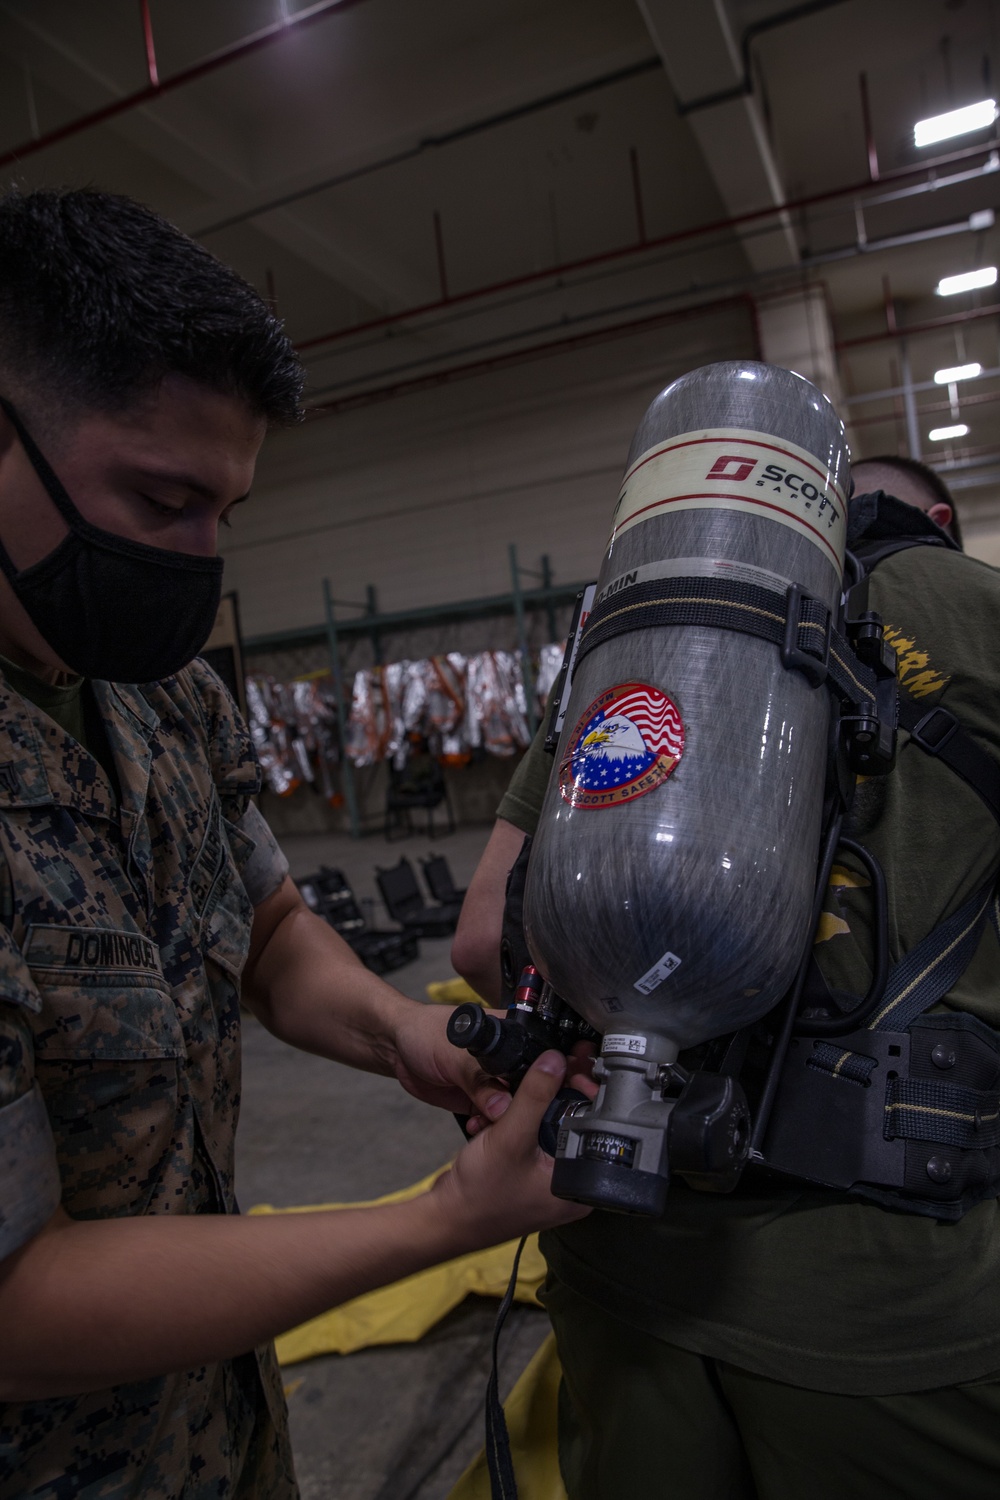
(29, 1173)
(235, 767)
(236, 773)
(261, 864)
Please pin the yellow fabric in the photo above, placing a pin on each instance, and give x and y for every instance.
(452, 992)
(531, 1411)
(404, 1311)
(829, 926)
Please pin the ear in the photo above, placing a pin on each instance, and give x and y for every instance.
(941, 513)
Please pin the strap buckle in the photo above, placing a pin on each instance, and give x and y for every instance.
(932, 743)
(814, 667)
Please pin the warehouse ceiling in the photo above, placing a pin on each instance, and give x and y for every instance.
(426, 188)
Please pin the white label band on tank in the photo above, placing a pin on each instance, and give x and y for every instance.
(722, 468)
(633, 1046)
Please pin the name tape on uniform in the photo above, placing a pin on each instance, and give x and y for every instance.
(723, 468)
(90, 948)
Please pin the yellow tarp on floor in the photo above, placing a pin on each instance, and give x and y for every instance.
(404, 1311)
(452, 992)
(531, 1411)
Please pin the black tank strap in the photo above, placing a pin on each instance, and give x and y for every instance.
(872, 553)
(799, 624)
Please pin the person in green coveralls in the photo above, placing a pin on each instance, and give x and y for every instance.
(142, 895)
(785, 1343)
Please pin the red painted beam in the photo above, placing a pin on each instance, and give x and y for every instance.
(639, 247)
(988, 399)
(147, 36)
(534, 351)
(904, 330)
(255, 42)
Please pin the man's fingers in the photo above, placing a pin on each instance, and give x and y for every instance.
(535, 1093)
(491, 1098)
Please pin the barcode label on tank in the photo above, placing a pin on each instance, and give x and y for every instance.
(732, 469)
(635, 1046)
(654, 977)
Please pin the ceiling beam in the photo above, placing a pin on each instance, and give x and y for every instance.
(702, 59)
(205, 150)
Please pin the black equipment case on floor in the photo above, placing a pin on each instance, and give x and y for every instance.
(330, 897)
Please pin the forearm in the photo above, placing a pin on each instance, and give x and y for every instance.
(311, 990)
(475, 953)
(91, 1304)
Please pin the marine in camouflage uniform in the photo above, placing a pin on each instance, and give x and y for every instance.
(132, 869)
(126, 916)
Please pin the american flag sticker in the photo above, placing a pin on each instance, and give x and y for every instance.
(626, 744)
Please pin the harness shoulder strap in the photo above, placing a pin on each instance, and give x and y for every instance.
(872, 553)
(939, 733)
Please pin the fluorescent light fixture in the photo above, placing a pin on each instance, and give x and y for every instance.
(955, 373)
(942, 434)
(967, 281)
(956, 122)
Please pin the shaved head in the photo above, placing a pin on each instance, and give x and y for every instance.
(913, 483)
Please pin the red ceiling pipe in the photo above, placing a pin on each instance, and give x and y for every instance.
(889, 304)
(386, 320)
(147, 33)
(441, 265)
(866, 116)
(535, 351)
(640, 216)
(929, 410)
(928, 327)
(157, 87)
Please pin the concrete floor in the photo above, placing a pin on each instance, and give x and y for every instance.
(400, 1422)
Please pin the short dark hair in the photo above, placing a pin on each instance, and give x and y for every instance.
(100, 298)
(927, 478)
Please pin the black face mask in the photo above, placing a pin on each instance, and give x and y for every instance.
(109, 607)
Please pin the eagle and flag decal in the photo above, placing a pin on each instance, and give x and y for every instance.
(629, 741)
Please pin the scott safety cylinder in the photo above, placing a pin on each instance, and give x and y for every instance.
(672, 873)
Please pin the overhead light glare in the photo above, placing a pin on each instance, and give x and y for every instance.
(942, 434)
(956, 373)
(956, 122)
(968, 281)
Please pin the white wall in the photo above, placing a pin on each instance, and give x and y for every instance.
(421, 495)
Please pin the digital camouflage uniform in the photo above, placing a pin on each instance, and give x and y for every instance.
(125, 927)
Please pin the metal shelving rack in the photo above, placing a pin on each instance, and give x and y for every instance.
(370, 621)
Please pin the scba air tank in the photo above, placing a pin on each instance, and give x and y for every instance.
(672, 873)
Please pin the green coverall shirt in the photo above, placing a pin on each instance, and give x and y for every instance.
(812, 1287)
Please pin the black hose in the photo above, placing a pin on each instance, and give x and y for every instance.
(789, 1016)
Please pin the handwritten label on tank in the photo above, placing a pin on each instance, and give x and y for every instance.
(732, 469)
(627, 743)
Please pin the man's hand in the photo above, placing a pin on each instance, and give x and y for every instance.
(94, 1303)
(502, 1182)
(308, 987)
(430, 1068)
